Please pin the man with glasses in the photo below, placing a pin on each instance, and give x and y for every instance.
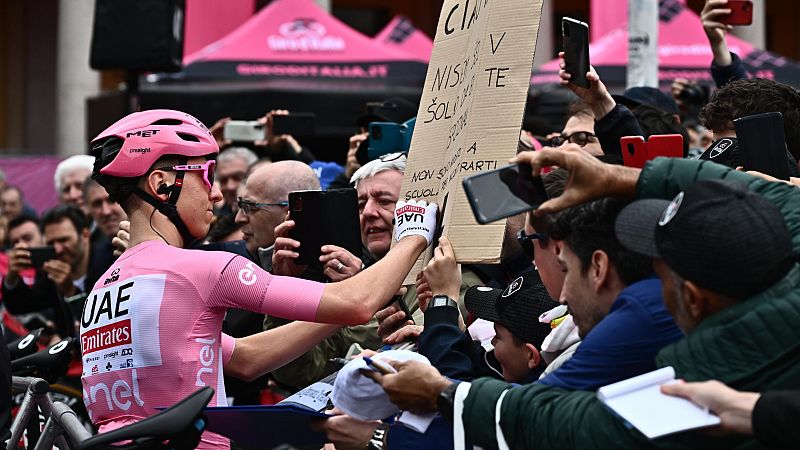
(232, 166)
(263, 204)
(579, 129)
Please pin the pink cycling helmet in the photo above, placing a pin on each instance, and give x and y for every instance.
(145, 137)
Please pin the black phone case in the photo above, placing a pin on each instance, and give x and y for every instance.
(325, 218)
(576, 51)
(522, 184)
(298, 124)
(762, 143)
(41, 254)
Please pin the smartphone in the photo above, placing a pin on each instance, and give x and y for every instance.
(41, 254)
(575, 35)
(741, 13)
(244, 131)
(636, 151)
(762, 143)
(296, 124)
(324, 218)
(504, 192)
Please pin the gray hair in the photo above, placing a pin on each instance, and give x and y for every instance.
(392, 161)
(243, 153)
(71, 164)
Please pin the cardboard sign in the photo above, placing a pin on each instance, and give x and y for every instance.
(471, 112)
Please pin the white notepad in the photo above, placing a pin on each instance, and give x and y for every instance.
(640, 402)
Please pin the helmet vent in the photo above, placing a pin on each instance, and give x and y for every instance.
(167, 122)
(188, 137)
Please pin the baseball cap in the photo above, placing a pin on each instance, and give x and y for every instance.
(724, 151)
(717, 234)
(645, 95)
(517, 307)
(395, 109)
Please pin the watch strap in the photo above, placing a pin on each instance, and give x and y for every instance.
(446, 399)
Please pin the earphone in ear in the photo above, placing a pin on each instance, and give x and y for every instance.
(164, 189)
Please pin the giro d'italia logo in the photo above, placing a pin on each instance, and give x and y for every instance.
(671, 210)
(304, 35)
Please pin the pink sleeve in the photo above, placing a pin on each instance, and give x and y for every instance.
(242, 284)
(228, 344)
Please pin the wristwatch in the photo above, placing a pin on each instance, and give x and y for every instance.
(446, 399)
(442, 300)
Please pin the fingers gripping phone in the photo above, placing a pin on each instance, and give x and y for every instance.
(762, 143)
(741, 13)
(504, 192)
(39, 255)
(244, 131)
(575, 36)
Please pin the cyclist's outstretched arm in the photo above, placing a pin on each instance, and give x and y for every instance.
(264, 352)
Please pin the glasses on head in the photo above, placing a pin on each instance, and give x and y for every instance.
(247, 207)
(392, 156)
(526, 241)
(579, 137)
(207, 168)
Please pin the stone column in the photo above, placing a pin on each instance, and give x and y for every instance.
(75, 81)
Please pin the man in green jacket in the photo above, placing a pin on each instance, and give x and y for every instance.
(751, 344)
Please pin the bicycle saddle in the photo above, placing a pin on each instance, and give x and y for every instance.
(50, 363)
(177, 427)
(25, 345)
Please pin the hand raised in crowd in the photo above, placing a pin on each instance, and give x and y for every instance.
(346, 432)
(596, 96)
(60, 273)
(338, 263)
(442, 275)
(391, 319)
(286, 252)
(734, 408)
(277, 141)
(123, 237)
(352, 163)
(716, 30)
(415, 387)
(589, 178)
(218, 131)
(19, 259)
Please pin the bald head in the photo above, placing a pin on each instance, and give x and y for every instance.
(270, 185)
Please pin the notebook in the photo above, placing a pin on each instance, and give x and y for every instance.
(639, 402)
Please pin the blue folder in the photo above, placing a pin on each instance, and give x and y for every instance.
(268, 426)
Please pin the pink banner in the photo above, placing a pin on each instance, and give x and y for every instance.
(401, 33)
(209, 20)
(34, 177)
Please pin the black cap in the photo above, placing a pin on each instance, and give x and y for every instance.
(644, 95)
(517, 307)
(396, 109)
(717, 234)
(724, 151)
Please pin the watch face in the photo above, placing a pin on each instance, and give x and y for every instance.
(442, 300)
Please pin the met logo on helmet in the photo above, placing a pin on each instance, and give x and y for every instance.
(143, 133)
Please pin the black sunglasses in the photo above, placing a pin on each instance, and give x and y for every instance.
(526, 241)
(579, 137)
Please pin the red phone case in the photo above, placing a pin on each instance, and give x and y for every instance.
(636, 152)
(741, 13)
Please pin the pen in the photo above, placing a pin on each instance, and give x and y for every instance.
(380, 366)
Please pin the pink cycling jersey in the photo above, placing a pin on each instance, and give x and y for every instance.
(151, 328)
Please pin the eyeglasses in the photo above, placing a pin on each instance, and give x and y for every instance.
(392, 156)
(526, 241)
(207, 168)
(247, 207)
(579, 137)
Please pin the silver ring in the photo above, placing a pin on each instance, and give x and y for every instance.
(339, 267)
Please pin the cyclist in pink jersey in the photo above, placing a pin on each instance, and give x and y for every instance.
(151, 327)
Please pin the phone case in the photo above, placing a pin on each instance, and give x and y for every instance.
(244, 131)
(325, 218)
(636, 151)
(296, 124)
(503, 192)
(576, 50)
(762, 143)
(741, 13)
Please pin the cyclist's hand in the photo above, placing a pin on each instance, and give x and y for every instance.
(415, 218)
(286, 252)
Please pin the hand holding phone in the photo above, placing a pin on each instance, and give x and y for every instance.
(575, 36)
(244, 131)
(741, 13)
(504, 192)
